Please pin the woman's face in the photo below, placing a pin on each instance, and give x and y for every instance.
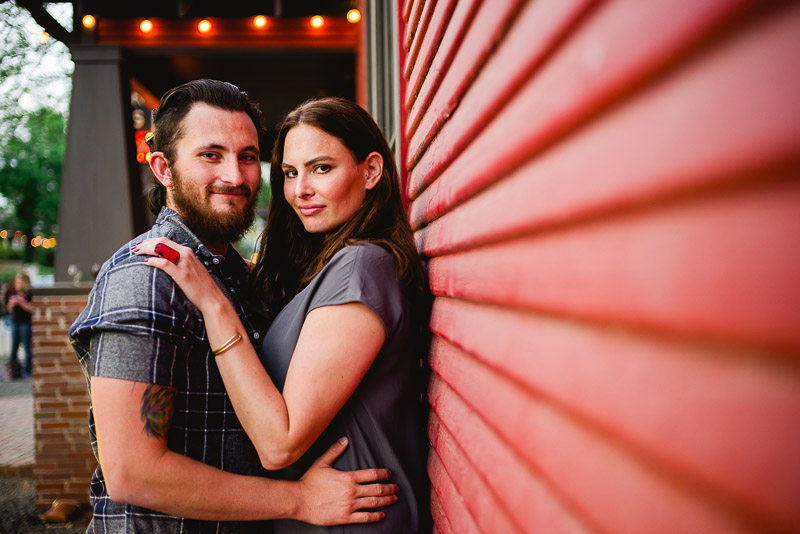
(323, 182)
(20, 283)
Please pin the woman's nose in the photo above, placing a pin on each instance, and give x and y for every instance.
(303, 186)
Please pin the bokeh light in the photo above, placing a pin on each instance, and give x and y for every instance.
(260, 21)
(353, 16)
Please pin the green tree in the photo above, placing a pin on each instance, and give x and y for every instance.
(34, 72)
(34, 94)
(30, 175)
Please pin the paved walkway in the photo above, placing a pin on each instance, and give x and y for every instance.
(18, 512)
(16, 423)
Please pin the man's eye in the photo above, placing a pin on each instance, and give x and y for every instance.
(208, 155)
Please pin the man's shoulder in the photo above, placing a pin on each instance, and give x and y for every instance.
(126, 280)
(124, 256)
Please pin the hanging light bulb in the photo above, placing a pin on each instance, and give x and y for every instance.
(146, 26)
(88, 21)
(317, 21)
(260, 21)
(353, 16)
(204, 26)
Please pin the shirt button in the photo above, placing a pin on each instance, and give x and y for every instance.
(255, 336)
(233, 290)
(205, 263)
(216, 261)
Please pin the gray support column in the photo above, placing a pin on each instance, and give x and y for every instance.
(100, 194)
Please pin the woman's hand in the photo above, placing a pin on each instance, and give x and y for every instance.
(181, 264)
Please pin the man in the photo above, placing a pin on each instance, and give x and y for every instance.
(172, 454)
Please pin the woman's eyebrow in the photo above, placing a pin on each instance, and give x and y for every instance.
(317, 160)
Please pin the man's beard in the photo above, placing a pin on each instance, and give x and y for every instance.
(207, 224)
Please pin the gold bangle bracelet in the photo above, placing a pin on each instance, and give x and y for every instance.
(228, 344)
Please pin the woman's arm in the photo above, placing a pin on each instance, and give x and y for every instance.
(337, 344)
(22, 303)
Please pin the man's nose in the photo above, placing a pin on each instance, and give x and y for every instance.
(232, 173)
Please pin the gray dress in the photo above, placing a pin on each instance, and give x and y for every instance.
(383, 419)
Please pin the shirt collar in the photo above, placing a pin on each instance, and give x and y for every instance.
(168, 215)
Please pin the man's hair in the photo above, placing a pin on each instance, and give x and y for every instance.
(173, 108)
(289, 256)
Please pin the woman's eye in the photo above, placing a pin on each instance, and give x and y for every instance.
(289, 174)
(322, 169)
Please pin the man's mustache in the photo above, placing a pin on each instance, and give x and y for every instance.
(232, 190)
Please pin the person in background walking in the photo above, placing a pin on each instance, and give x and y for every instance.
(20, 311)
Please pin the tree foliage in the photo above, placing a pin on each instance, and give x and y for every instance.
(33, 74)
(30, 174)
(35, 82)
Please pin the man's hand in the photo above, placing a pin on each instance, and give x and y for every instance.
(331, 497)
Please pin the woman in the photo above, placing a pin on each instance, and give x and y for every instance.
(20, 313)
(337, 262)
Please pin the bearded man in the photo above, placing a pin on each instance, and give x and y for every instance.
(172, 454)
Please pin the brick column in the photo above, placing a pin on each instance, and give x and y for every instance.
(64, 461)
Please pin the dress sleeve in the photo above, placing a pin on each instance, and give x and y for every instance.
(363, 273)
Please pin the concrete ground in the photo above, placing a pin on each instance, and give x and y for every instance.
(18, 513)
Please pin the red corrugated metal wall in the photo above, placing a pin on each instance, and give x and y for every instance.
(609, 194)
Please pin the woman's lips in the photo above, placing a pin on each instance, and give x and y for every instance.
(310, 210)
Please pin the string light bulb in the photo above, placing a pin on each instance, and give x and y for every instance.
(353, 16)
(44, 37)
(146, 26)
(317, 21)
(260, 21)
(88, 21)
(204, 26)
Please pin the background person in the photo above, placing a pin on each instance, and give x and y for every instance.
(20, 313)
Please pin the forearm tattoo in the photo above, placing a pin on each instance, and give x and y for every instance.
(157, 409)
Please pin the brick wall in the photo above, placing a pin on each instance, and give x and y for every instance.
(64, 460)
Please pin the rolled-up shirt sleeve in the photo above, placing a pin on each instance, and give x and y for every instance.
(137, 325)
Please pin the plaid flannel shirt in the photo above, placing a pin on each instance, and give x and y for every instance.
(138, 325)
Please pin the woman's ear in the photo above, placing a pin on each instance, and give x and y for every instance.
(374, 163)
(160, 167)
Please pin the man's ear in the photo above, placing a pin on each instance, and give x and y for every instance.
(160, 167)
(374, 163)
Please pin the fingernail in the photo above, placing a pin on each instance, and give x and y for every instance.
(343, 441)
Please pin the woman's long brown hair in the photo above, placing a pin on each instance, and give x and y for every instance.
(289, 256)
